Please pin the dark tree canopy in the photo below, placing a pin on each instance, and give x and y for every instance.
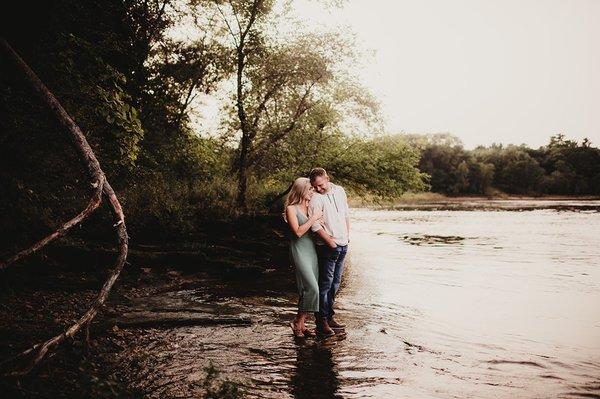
(563, 167)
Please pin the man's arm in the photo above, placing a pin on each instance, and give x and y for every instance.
(348, 226)
(314, 206)
(347, 213)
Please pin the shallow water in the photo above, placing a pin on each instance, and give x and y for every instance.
(487, 304)
(498, 304)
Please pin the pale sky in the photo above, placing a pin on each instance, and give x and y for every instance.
(510, 71)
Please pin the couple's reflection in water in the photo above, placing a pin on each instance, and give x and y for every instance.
(316, 374)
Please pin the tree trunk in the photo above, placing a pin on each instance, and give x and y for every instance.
(246, 139)
(243, 175)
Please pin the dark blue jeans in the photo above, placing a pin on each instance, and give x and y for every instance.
(331, 267)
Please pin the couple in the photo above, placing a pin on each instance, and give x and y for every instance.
(315, 205)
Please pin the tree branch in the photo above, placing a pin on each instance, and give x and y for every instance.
(236, 17)
(233, 35)
(153, 29)
(253, 14)
(300, 110)
(263, 104)
(38, 352)
(92, 205)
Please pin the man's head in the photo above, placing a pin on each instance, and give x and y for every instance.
(319, 180)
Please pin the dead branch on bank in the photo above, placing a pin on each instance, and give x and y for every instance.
(33, 356)
(170, 319)
(92, 205)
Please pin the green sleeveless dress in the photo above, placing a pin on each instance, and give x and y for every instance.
(303, 256)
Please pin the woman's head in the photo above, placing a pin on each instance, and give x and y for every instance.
(301, 190)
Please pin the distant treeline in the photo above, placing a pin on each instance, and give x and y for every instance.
(562, 167)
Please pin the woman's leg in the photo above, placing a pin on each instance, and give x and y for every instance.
(298, 324)
(299, 321)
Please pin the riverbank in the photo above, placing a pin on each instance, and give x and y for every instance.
(42, 296)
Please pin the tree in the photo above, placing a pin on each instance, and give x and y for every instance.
(241, 18)
(280, 82)
(521, 173)
(481, 176)
(443, 164)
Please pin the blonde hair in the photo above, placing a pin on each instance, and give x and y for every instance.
(297, 193)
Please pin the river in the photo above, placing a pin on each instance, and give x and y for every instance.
(439, 304)
(475, 303)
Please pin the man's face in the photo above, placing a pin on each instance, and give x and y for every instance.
(321, 184)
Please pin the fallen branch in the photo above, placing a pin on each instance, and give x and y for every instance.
(34, 355)
(92, 205)
(149, 319)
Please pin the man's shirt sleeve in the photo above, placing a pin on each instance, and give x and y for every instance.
(345, 197)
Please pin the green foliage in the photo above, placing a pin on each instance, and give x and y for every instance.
(562, 167)
(125, 127)
(384, 166)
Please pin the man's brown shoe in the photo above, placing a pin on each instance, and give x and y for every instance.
(335, 325)
(323, 328)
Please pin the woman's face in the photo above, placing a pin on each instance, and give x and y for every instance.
(309, 193)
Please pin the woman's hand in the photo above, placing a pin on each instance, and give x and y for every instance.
(317, 216)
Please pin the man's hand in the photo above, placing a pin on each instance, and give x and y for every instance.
(326, 238)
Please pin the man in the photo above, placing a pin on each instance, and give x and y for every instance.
(331, 237)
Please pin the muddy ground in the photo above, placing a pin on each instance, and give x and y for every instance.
(162, 287)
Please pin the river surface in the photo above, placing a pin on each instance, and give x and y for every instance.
(439, 304)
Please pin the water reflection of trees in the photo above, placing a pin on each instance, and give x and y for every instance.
(316, 373)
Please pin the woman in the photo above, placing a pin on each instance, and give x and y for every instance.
(303, 253)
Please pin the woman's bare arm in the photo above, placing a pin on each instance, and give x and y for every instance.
(292, 219)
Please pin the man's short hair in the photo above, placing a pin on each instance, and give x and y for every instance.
(316, 172)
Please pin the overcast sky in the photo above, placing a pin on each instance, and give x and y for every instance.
(510, 71)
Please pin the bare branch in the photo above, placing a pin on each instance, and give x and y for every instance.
(92, 205)
(237, 20)
(263, 104)
(188, 99)
(38, 352)
(233, 35)
(300, 110)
